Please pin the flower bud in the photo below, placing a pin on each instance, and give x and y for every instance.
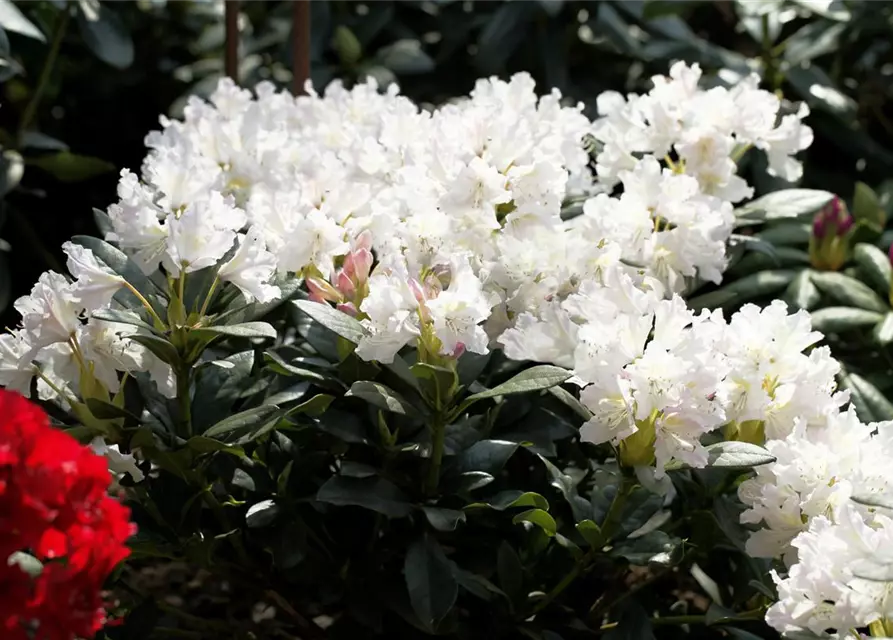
(344, 284)
(829, 241)
(347, 307)
(322, 291)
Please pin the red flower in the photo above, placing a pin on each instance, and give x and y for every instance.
(54, 506)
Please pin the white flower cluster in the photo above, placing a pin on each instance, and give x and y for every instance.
(64, 347)
(839, 552)
(657, 377)
(676, 221)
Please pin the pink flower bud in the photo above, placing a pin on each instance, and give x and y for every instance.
(321, 291)
(362, 265)
(347, 307)
(345, 284)
(819, 225)
(459, 350)
(363, 241)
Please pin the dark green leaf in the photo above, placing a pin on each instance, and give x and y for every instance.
(787, 203)
(477, 585)
(591, 533)
(122, 317)
(38, 140)
(406, 57)
(883, 331)
(568, 489)
(820, 92)
(332, 319)
(261, 514)
(871, 405)
(382, 397)
(488, 456)
(503, 34)
(874, 266)
(510, 572)
(634, 624)
(848, 291)
(802, 292)
(243, 421)
(471, 480)
(12, 168)
(834, 10)
(757, 285)
(344, 426)
(346, 45)
(203, 444)
(513, 498)
(533, 379)
(243, 330)
(68, 167)
(276, 363)
(812, 40)
(444, 519)
(105, 34)
(375, 494)
(616, 30)
(655, 547)
(165, 351)
(866, 205)
(786, 234)
(315, 406)
(540, 518)
(731, 455)
(108, 411)
(839, 319)
(430, 581)
(11, 19)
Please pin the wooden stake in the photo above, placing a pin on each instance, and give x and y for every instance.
(300, 44)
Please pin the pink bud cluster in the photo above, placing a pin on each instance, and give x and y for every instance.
(350, 284)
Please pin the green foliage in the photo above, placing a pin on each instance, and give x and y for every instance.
(399, 500)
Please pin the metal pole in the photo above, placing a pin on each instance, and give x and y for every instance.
(231, 61)
(300, 44)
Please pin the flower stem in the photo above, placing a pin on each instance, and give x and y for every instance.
(209, 296)
(145, 303)
(438, 437)
(184, 375)
(582, 564)
(45, 73)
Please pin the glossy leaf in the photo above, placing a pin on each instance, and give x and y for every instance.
(105, 34)
(382, 397)
(540, 518)
(339, 323)
(838, 319)
(848, 291)
(376, 494)
(874, 266)
(430, 581)
(802, 292)
(12, 19)
(787, 203)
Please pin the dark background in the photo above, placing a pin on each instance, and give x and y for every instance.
(114, 75)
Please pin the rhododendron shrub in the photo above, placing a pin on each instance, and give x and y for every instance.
(393, 372)
(61, 534)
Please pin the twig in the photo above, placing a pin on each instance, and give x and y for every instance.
(231, 61)
(300, 44)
